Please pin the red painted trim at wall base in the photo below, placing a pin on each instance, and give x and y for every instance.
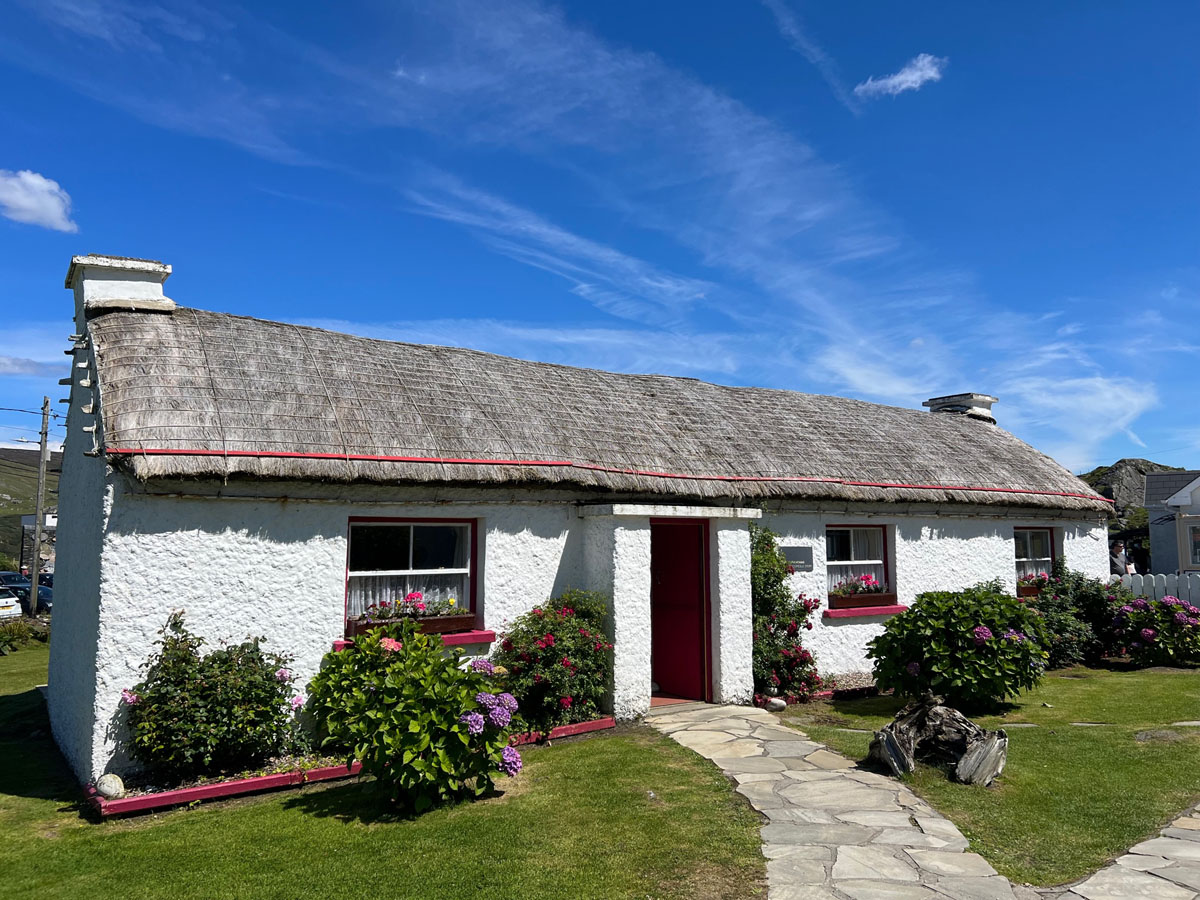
(234, 788)
(563, 731)
(862, 611)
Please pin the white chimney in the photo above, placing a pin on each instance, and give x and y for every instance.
(974, 406)
(108, 283)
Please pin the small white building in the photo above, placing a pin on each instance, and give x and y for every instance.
(268, 478)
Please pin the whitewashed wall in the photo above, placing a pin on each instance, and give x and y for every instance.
(259, 567)
(84, 501)
(732, 621)
(926, 553)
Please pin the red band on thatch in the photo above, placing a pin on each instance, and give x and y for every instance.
(811, 479)
(359, 457)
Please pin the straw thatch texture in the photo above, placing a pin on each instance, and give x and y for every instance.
(195, 380)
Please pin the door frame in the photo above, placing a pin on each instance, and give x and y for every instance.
(706, 641)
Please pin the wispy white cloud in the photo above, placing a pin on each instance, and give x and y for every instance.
(16, 365)
(620, 284)
(791, 29)
(920, 70)
(34, 199)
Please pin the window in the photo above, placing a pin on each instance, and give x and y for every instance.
(854, 551)
(1034, 550)
(388, 560)
(1194, 543)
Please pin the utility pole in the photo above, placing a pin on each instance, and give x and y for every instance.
(40, 511)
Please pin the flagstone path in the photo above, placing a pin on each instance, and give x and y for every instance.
(836, 831)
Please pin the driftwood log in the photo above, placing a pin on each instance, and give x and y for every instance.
(928, 731)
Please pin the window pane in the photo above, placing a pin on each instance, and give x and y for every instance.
(1195, 533)
(867, 543)
(372, 589)
(439, 547)
(379, 548)
(1021, 540)
(837, 545)
(442, 587)
(1039, 544)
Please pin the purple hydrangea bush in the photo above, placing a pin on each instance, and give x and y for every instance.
(1160, 632)
(973, 647)
(430, 729)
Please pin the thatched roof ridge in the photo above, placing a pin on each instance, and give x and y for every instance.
(197, 394)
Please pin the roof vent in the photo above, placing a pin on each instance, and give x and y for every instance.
(108, 283)
(975, 406)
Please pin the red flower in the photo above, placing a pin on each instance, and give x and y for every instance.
(565, 701)
(506, 644)
(599, 646)
(536, 677)
(584, 632)
(566, 663)
(549, 639)
(539, 612)
(385, 603)
(567, 611)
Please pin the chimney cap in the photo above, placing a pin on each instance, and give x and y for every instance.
(975, 406)
(120, 263)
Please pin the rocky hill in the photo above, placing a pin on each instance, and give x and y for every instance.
(1125, 483)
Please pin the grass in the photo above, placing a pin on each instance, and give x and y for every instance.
(580, 821)
(1071, 798)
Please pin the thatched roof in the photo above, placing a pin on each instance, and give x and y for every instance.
(198, 394)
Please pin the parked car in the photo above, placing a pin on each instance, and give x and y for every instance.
(10, 604)
(45, 597)
(10, 578)
(46, 579)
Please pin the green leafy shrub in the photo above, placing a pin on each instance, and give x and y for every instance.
(429, 731)
(557, 660)
(224, 711)
(1160, 632)
(769, 570)
(1078, 613)
(16, 633)
(973, 647)
(782, 666)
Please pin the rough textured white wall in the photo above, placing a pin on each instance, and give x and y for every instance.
(630, 563)
(927, 553)
(732, 622)
(84, 501)
(277, 569)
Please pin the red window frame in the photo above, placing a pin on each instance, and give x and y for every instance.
(473, 565)
(888, 598)
(1053, 541)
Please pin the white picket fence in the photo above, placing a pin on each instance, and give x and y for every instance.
(1185, 587)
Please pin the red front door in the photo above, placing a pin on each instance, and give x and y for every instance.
(678, 608)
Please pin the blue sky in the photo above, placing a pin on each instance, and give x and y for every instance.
(886, 201)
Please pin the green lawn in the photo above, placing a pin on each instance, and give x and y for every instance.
(1071, 798)
(580, 821)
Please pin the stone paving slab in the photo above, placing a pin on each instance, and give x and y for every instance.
(837, 832)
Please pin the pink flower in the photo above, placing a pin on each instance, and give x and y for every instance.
(565, 701)
(297, 702)
(390, 644)
(420, 606)
(130, 698)
(415, 595)
(282, 674)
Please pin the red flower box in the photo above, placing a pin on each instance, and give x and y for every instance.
(855, 601)
(428, 625)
